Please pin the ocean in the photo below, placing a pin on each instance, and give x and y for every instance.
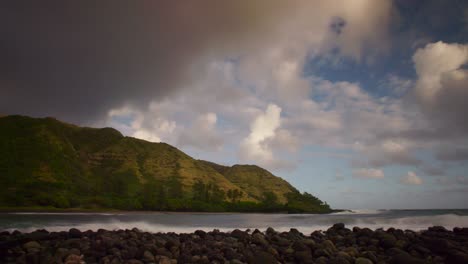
(189, 222)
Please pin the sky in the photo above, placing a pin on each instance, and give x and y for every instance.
(359, 102)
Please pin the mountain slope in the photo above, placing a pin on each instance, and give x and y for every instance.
(46, 162)
(255, 180)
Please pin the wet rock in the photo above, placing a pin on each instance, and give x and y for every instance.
(405, 258)
(457, 257)
(299, 246)
(241, 235)
(74, 233)
(32, 246)
(371, 256)
(261, 257)
(345, 255)
(322, 260)
(304, 256)
(363, 261)
(259, 239)
(328, 245)
(74, 259)
(164, 260)
(148, 256)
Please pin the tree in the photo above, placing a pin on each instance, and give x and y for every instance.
(270, 198)
(198, 190)
(174, 187)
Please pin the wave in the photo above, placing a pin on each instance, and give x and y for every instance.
(62, 213)
(411, 222)
(361, 211)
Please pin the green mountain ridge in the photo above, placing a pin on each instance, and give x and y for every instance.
(46, 162)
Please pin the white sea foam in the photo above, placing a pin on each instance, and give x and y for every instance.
(411, 222)
(60, 213)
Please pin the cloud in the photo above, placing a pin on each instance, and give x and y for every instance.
(452, 154)
(202, 134)
(76, 61)
(432, 170)
(368, 173)
(442, 86)
(455, 181)
(411, 179)
(262, 128)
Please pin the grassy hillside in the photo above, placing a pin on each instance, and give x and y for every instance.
(45, 162)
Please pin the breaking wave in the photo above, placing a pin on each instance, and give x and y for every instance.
(190, 222)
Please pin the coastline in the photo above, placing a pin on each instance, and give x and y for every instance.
(338, 244)
(110, 210)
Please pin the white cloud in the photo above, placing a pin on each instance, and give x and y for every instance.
(262, 128)
(368, 173)
(435, 60)
(411, 179)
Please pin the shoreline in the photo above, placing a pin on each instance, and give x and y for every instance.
(108, 210)
(337, 244)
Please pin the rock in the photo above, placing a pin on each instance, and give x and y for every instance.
(328, 245)
(31, 246)
(304, 256)
(371, 256)
(345, 255)
(405, 258)
(310, 243)
(352, 251)
(457, 257)
(322, 260)
(283, 242)
(259, 239)
(200, 233)
(37, 235)
(60, 254)
(261, 257)
(148, 256)
(74, 259)
(363, 261)
(134, 261)
(164, 260)
(74, 233)
(75, 251)
(299, 246)
(270, 231)
(241, 235)
(387, 240)
(437, 229)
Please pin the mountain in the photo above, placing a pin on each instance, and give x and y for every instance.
(46, 162)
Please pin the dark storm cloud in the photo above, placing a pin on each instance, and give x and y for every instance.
(77, 59)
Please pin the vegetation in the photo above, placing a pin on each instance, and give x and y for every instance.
(48, 163)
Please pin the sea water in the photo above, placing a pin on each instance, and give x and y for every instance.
(189, 222)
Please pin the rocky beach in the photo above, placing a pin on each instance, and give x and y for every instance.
(338, 244)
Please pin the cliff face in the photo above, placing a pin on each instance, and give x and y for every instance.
(47, 162)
